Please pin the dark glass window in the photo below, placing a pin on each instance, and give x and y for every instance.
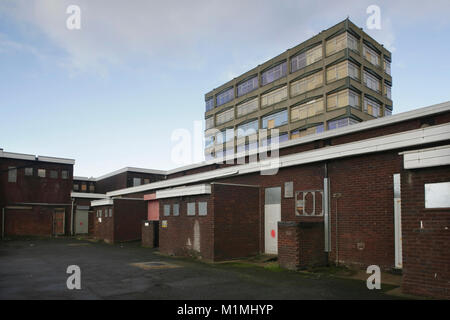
(209, 104)
(225, 96)
(273, 73)
(247, 86)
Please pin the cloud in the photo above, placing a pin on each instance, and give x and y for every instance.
(186, 33)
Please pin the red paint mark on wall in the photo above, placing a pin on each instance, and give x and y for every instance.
(272, 233)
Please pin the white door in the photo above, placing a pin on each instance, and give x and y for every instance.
(272, 214)
(398, 232)
(81, 221)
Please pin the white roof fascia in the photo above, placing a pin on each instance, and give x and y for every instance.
(424, 158)
(55, 160)
(20, 156)
(102, 202)
(84, 178)
(130, 169)
(88, 195)
(224, 172)
(184, 191)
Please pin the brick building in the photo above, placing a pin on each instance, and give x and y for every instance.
(35, 194)
(90, 189)
(118, 219)
(338, 197)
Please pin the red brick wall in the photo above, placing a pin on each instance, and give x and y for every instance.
(124, 180)
(289, 245)
(179, 236)
(33, 189)
(118, 181)
(301, 245)
(426, 252)
(312, 244)
(38, 221)
(148, 233)
(104, 230)
(236, 221)
(365, 210)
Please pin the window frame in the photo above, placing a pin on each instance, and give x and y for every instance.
(27, 174)
(166, 210)
(190, 206)
(280, 68)
(200, 205)
(39, 173)
(12, 174)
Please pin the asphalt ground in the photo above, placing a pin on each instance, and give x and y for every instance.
(36, 269)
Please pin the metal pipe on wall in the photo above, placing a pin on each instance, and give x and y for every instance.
(337, 196)
(71, 219)
(326, 209)
(3, 223)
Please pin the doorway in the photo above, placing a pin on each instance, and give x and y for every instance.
(272, 214)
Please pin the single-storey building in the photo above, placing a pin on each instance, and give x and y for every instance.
(335, 197)
(118, 219)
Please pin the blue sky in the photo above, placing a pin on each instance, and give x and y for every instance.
(111, 94)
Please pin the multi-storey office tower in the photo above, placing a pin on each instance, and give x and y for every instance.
(337, 78)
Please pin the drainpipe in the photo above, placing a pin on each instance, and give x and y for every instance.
(3, 223)
(337, 196)
(71, 219)
(326, 210)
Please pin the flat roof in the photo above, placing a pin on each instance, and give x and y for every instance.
(116, 172)
(31, 157)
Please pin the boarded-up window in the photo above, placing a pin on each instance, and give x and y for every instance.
(307, 110)
(437, 195)
(247, 107)
(306, 84)
(225, 116)
(167, 210)
(41, 173)
(53, 174)
(273, 97)
(28, 171)
(176, 209)
(191, 209)
(136, 182)
(64, 174)
(12, 174)
(202, 208)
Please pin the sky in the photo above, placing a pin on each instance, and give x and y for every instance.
(111, 94)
